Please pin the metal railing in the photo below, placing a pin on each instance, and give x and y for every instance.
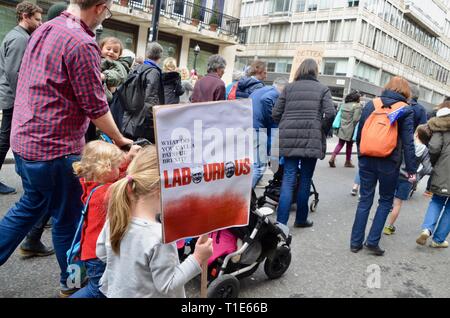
(186, 11)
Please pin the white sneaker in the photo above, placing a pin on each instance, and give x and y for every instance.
(439, 245)
(423, 237)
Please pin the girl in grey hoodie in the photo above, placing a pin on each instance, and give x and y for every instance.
(404, 184)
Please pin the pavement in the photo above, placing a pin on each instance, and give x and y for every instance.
(322, 264)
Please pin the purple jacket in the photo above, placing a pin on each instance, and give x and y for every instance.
(209, 89)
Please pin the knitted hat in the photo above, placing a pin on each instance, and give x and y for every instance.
(55, 10)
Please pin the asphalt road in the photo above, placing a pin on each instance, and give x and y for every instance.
(322, 264)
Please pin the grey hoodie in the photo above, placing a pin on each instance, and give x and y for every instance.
(423, 162)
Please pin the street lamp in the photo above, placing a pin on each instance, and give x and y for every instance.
(98, 33)
(196, 52)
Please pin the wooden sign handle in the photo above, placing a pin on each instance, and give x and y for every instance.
(204, 277)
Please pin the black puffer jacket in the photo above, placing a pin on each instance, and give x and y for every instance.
(305, 113)
(172, 87)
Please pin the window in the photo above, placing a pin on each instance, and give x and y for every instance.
(366, 72)
(425, 94)
(437, 98)
(324, 4)
(329, 68)
(387, 11)
(271, 67)
(312, 5)
(308, 32)
(321, 31)
(263, 35)
(353, 3)
(296, 33)
(281, 5)
(335, 31)
(279, 33)
(336, 67)
(363, 34)
(300, 6)
(385, 78)
(349, 30)
(253, 34)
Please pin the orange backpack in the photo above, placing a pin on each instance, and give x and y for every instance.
(379, 136)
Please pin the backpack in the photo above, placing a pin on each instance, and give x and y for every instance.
(127, 105)
(380, 132)
(74, 253)
(232, 93)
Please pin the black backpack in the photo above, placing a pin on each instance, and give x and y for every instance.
(130, 98)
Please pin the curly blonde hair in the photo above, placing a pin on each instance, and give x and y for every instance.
(169, 65)
(98, 159)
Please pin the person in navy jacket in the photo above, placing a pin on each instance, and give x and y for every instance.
(263, 101)
(384, 171)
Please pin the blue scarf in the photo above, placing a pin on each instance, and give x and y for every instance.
(152, 63)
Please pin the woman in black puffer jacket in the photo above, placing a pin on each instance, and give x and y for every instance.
(172, 82)
(305, 113)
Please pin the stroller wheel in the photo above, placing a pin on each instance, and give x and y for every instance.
(225, 286)
(278, 264)
(313, 206)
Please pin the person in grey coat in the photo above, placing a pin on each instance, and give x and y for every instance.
(305, 113)
(437, 219)
(350, 115)
(13, 47)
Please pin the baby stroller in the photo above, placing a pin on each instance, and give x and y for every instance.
(272, 191)
(262, 240)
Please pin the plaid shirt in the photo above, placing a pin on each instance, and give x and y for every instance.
(58, 90)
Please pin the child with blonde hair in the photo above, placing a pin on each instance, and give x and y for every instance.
(171, 79)
(101, 164)
(114, 66)
(138, 263)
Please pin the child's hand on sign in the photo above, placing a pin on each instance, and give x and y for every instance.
(203, 249)
(133, 152)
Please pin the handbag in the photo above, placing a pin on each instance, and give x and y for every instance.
(337, 119)
(74, 253)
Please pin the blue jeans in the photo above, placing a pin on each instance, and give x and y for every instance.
(288, 186)
(94, 269)
(260, 154)
(371, 171)
(49, 186)
(439, 207)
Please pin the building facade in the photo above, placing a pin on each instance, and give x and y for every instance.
(363, 43)
(183, 24)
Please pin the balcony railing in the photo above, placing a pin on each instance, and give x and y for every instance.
(186, 11)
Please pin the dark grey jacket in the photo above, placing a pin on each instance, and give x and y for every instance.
(11, 54)
(305, 113)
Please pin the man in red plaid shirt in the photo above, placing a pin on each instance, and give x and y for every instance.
(59, 90)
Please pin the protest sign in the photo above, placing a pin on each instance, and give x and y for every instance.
(303, 53)
(205, 154)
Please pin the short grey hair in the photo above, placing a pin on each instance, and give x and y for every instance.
(280, 82)
(154, 51)
(216, 62)
(308, 67)
(415, 92)
(237, 75)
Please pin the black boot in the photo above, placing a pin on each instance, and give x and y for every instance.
(30, 248)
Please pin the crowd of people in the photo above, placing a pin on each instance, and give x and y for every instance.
(57, 80)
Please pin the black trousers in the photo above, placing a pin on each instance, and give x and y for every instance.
(5, 134)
